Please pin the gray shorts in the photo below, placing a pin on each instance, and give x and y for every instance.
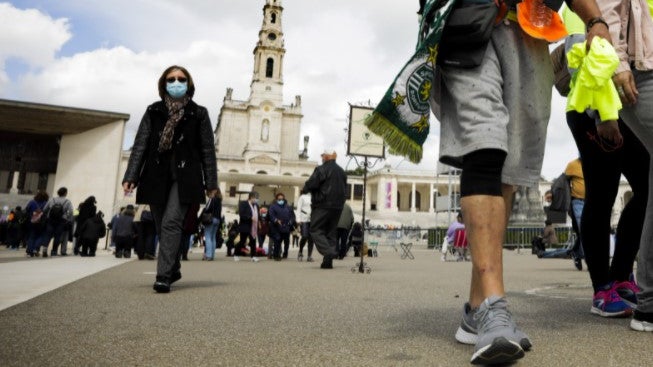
(505, 103)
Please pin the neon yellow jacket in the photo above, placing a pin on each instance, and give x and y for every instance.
(592, 86)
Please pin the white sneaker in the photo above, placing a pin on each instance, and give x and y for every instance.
(236, 258)
(255, 259)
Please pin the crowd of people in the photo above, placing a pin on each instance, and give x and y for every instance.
(51, 223)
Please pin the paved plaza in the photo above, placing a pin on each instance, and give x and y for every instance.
(103, 312)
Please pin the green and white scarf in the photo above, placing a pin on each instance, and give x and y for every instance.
(402, 116)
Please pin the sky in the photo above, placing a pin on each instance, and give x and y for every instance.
(108, 55)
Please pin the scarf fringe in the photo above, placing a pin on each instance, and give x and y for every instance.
(398, 142)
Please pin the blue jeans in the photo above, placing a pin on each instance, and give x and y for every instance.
(577, 208)
(209, 238)
(55, 232)
(36, 238)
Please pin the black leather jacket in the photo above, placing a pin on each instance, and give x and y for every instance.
(327, 186)
(193, 151)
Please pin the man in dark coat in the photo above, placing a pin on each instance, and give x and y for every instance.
(282, 221)
(327, 186)
(248, 227)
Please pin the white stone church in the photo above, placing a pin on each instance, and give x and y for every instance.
(257, 140)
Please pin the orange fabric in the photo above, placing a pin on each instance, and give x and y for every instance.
(553, 32)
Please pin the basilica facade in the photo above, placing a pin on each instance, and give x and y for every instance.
(258, 139)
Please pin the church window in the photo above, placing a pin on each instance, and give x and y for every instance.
(269, 67)
(265, 130)
(273, 18)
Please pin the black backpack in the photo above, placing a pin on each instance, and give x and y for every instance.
(56, 212)
(560, 194)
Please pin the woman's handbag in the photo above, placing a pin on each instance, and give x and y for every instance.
(207, 214)
(466, 33)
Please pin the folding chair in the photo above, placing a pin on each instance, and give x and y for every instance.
(406, 253)
(460, 245)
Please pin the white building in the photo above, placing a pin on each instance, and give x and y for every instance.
(45, 147)
(257, 140)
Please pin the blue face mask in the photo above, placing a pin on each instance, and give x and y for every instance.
(281, 202)
(177, 89)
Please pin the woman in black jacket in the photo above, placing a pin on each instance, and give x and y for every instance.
(90, 233)
(87, 210)
(173, 164)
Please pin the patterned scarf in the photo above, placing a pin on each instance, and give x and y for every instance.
(175, 113)
(402, 116)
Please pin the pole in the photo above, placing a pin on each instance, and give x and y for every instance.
(361, 266)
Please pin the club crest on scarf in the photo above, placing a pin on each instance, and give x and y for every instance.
(402, 115)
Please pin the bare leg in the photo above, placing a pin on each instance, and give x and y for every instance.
(486, 218)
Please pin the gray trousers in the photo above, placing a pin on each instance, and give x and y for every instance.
(640, 120)
(324, 230)
(168, 220)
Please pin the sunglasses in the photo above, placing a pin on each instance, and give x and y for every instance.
(181, 79)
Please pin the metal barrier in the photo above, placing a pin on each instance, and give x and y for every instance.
(516, 237)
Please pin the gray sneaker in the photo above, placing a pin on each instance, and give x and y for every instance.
(467, 331)
(498, 337)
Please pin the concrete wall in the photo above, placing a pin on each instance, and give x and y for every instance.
(89, 163)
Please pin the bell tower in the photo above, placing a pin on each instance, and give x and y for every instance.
(267, 80)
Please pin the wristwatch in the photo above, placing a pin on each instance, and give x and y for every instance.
(595, 20)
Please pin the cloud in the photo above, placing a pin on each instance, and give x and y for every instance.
(30, 36)
(121, 80)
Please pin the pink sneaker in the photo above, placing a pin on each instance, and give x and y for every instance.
(607, 303)
(627, 290)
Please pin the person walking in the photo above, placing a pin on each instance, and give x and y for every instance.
(576, 179)
(90, 233)
(37, 231)
(344, 226)
(631, 27)
(282, 221)
(214, 208)
(493, 117)
(59, 216)
(327, 186)
(303, 216)
(123, 232)
(608, 149)
(174, 165)
(87, 210)
(248, 227)
(263, 229)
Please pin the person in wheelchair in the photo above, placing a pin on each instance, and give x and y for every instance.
(451, 248)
